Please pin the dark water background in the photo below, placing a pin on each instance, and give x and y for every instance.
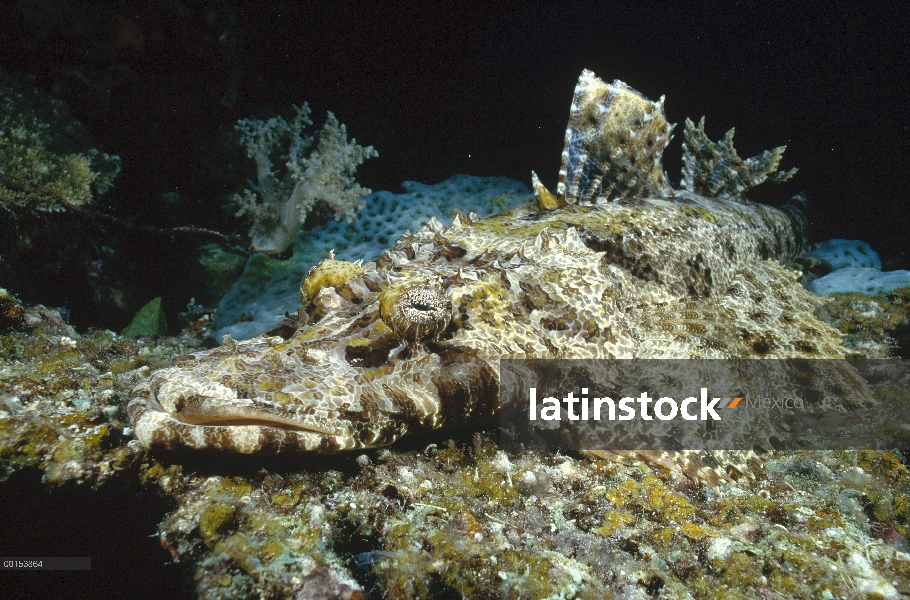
(439, 91)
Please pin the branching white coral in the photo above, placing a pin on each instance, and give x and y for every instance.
(321, 174)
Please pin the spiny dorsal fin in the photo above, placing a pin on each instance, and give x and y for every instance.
(614, 144)
(716, 170)
(545, 200)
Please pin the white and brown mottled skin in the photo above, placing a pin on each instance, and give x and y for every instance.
(622, 267)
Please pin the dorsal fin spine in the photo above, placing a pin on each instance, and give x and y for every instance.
(613, 144)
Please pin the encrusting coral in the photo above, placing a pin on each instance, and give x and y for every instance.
(46, 159)
(324, 174)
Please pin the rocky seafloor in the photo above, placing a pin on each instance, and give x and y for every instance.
(450, 516)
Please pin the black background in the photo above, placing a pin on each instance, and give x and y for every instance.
(446, 89)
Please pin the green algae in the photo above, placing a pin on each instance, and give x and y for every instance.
(11, 347)
(614, 521)
(215, 521)
(653, 499)
(148, 322)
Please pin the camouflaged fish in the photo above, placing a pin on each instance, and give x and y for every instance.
(616, 264)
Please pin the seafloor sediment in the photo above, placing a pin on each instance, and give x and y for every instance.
(450, 516)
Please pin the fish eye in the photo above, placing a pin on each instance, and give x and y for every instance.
(415, 310)
(424, 305)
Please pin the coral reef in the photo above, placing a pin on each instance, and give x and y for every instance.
(457, 517)
(873, 326)
(321, 174)
(467, 519)
(453, 514)
(46, 160)
(61, 394)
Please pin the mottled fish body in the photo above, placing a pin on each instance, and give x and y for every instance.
(616, 264)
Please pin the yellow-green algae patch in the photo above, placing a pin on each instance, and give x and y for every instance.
(216, 520)
(462, 516)
(652, 497)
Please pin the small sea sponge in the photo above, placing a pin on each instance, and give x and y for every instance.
(415, 309)
(328, 273)
(844, 254)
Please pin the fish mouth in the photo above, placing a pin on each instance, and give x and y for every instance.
(187, 417)
(252, 421)
(203, 410)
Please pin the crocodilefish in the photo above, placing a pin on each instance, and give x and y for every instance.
(616, 264)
